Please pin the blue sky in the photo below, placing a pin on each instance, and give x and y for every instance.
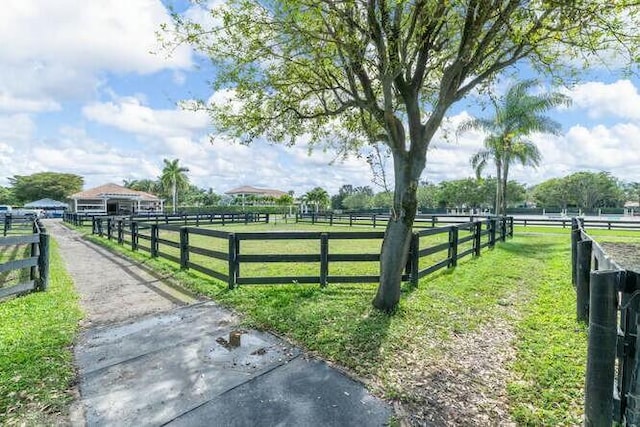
(80, 93)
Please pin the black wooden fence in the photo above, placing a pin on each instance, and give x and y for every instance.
(80, 219)
(430, 221)
(37, 261)
(607, 297)
(222, 257)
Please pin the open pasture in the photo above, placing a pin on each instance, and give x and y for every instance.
(302, 253)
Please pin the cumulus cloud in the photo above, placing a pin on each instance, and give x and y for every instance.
(618, 99)
(131, 115)
(54, 51)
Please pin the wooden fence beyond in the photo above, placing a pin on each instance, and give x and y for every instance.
(146, 236)
(37, 262)
(607, 298)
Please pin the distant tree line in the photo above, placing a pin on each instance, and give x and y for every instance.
(29, 188)
(456, 194)
(585, 190)
(582, 190)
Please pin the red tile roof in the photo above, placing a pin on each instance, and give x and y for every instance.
(112, 190)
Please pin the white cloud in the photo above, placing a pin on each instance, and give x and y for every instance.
(130, 115)
(115, 35)
(618, 99)
(55, 51)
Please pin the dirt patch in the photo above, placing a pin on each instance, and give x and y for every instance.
(466, 385)
(626, 255)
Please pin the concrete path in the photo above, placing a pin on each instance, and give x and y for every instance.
(172, 365)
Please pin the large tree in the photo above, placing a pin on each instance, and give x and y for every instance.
(375, 71)
(174, 178)
(516, 115)
(592, 190)
(52, 185)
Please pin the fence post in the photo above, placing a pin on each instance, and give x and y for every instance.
(350, 220)
(109, 228)
(503, 228)
(100, 230)
(493, 222)
(583, 271)
(433, 221)
(184, 247)
(453, 246)
(324, 258)
(414, 259)
(43, 262)
(374, 220)
(233, 261)
(510, 226)
(120, 231)
(601, 348)
(94, 227)
(575, 238)
(134, 236)
(154, 240)
(7, 221)
(34, 252)
(477, 238)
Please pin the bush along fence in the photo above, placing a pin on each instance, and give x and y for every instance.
(608, 299)
(20, 251)
(221, 255)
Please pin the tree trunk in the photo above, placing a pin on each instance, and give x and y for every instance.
(505, 176)
(395, 246)
(174, 191)
(498, 187)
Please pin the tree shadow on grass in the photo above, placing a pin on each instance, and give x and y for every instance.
(536, 250)
(337, 322)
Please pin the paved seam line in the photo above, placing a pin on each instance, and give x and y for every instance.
(231, 389)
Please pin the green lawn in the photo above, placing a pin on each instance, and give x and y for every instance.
(36, 363)
(11, 253)
(255, 247)
(524, 283)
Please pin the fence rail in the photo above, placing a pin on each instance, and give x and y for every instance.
(607, 298)
(37, 260)
(79, 219)
(224, 255)
(430, 221)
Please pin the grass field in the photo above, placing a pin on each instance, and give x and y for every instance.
(36, 366)
(293, 246)
(11, 253)
(523, 283)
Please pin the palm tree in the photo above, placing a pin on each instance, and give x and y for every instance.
(317, 197)
(174, 177)
(517, 115)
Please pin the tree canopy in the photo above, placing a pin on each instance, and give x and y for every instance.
(53, 185)
(371, 71)
(584, 190)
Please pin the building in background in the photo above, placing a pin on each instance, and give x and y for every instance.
(113, 199)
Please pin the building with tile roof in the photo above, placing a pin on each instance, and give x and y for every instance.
(248, 195)
(115, 199)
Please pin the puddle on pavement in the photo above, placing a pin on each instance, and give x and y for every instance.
(254, 353)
